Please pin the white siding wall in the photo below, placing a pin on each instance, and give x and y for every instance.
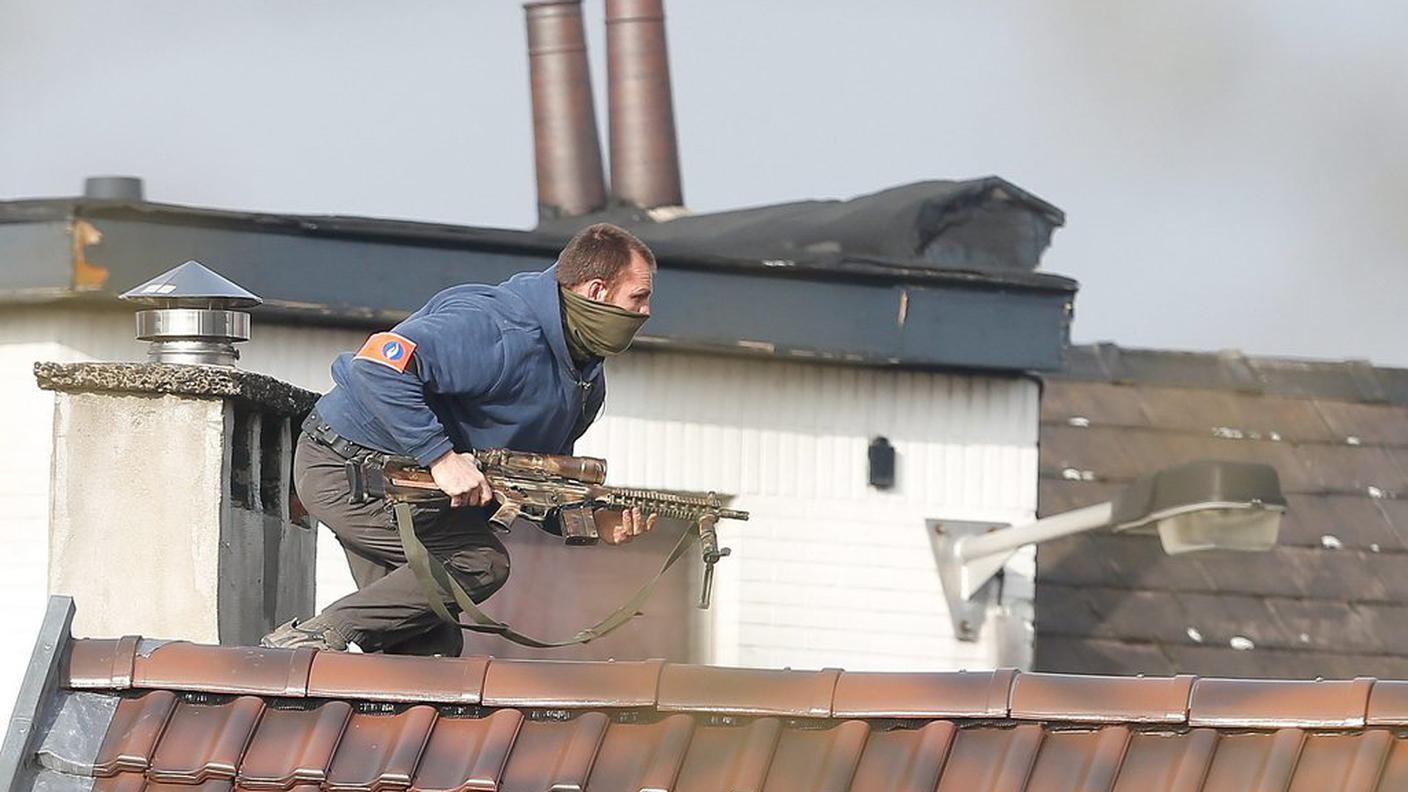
(828, 573)
(24, 485)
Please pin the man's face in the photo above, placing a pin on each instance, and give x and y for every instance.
(631, 290)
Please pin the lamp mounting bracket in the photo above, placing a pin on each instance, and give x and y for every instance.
(968, 586)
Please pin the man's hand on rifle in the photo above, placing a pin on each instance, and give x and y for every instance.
(618, 527)
(458, 475)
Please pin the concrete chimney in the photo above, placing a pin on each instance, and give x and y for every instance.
(645, 166)
(566, 149)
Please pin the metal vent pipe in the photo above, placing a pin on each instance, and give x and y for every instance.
(566, 149)
(645, 165)
(113, 188)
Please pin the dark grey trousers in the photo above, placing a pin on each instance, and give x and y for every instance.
(390, 612)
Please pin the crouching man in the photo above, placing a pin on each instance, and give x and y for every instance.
(519, 366)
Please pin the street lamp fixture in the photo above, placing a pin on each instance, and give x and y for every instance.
(1205, 505)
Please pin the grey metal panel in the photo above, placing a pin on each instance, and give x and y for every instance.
(332, 276)
(74, 730)
(35, 258)
(40, 680)
(1022, 329)
(49, 781)
(853, 312)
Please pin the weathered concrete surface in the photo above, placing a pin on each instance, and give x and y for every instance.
(263, 392)
(139, 485)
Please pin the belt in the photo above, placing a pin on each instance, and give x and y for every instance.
(315, 427)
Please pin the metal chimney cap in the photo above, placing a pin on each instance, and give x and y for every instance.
(191, 281)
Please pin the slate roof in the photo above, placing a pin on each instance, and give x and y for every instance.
(1328, 601)
(126, 715)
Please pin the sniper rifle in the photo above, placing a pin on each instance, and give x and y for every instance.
(543, 489)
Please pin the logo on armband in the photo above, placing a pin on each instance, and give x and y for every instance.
(388, 349)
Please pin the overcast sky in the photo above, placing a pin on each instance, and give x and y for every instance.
(1235, 174)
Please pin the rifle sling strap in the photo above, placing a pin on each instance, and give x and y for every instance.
(435, 580)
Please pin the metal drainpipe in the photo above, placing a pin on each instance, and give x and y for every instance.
(566, 149)
(645, 166)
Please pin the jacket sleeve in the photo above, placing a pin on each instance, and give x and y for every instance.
(458, 351)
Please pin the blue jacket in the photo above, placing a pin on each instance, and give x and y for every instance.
(490, 369)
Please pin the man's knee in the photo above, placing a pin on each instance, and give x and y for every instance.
(481, 570)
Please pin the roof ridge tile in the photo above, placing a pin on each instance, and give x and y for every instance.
(100, 663)
(936, 694)
(378, 677)
(1099, 698)
(747, 691)
(1280, 703)
(181, 665)
(572, 683)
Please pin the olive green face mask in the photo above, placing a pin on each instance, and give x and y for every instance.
(596, 329)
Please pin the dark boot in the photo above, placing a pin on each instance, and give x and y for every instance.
(311, 634)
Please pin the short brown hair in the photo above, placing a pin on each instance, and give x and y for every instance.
(600, 251)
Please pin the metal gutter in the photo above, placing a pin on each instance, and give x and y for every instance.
(41, 679)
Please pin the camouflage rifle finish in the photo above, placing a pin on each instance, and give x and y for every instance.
(539, 487)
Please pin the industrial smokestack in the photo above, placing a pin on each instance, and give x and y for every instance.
(645, 164)
(566, 150)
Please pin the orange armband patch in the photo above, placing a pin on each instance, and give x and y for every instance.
(388, 349)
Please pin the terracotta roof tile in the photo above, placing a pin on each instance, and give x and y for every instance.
(1395, 773)
(1165, 762)
(1388, 704)
(1341, 761)
(735, 758)
(101, 663)
(991, 759)
(546, 683)
(204, 742)
(642, 756)
(550, 752)
(1096, 698)
(224, 669)
(958, 694)
(667, 757)
(747, 691)
(905, 760)
(134, 782)
(468, 753)
(374, 677)
(743, 730)
(132, 736)
(1255, 761)
(379, 751)
(1081, 759)
(575, 759)
(1269, 703)
(292, 746)
(820, 760)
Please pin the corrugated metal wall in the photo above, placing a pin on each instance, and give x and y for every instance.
(829, 572)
